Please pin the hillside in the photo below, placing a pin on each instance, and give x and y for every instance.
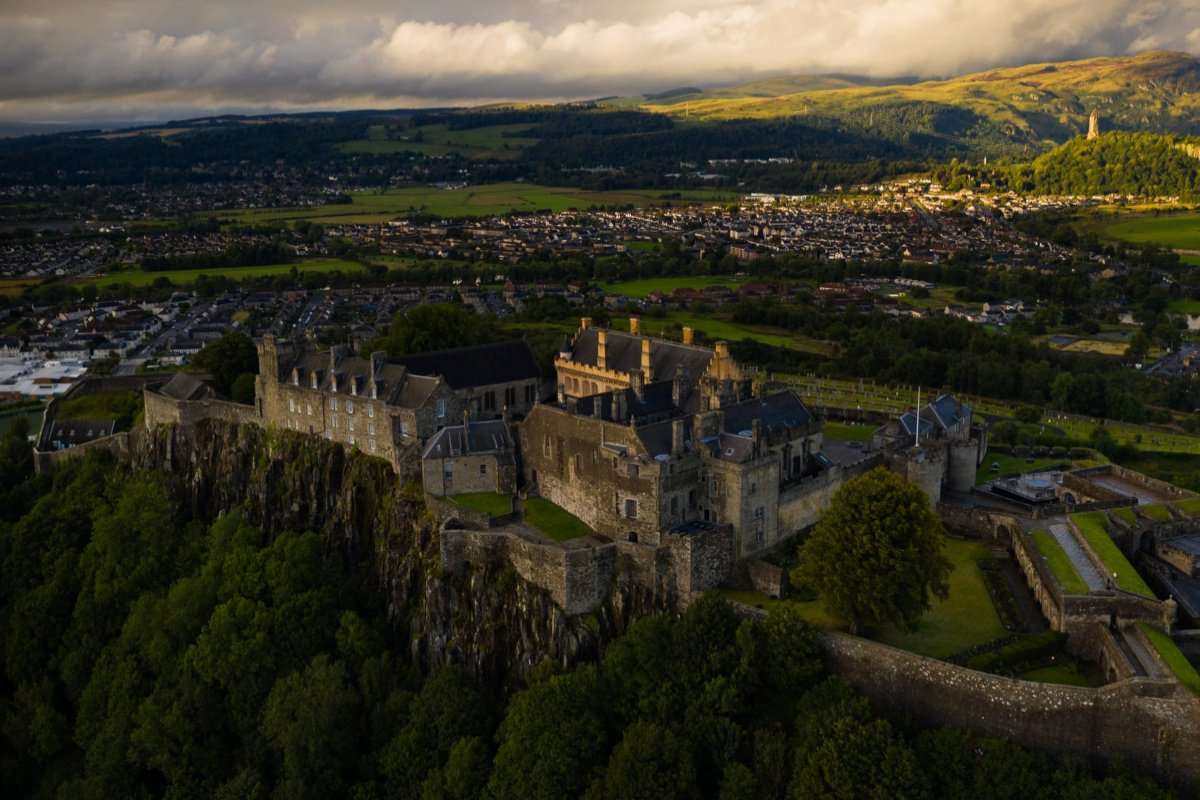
(1032, 106)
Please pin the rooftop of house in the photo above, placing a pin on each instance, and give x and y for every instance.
(490, 436)
(623, 353)
(183, 386)
(74, 432)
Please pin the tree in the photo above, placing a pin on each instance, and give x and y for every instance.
(650, 762)
(436, 327)
(876, 555)
(226, 359)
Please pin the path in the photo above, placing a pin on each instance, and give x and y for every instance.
(1083, 565)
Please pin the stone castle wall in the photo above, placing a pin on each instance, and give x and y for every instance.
(1152, 724)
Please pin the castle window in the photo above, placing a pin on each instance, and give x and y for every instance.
(333, 403)
(370, 428)
(349, 406)
(308, 407)
(633, 470)
(314, 380)
(530, 394)
(483, 469)
(759, 524)
(291, 405)
(547, 447)
(371, 412)
(372, 445)
(674, 505)
(350, 423)
(578, 464)
(753, 488)
(404, 427)
(630, 508)
(441, 408)
(510, 397)
(350, 439)
(489, 401)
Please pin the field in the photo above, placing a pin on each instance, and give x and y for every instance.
(11, 287)
(137, 278)
(646, 286)
(491, 142)
(716, 328)
(847, 431)
(377, 206)
(1092, 527)
(966, 618)
(552, 521)
(1176, 231)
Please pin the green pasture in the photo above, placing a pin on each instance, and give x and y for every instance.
(490, 142)
(1094, 529)
(1176, 231)
(138, 278)
(383, 205)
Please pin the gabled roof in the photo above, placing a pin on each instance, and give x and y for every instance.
(482, 437)
(781, 410)
(481, 365)
(183, 386)
(943, 414)
(623, 353)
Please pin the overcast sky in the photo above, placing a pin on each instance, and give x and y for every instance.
(114, 59)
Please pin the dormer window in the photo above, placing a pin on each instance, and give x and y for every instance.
(354, 386)
(295, 377)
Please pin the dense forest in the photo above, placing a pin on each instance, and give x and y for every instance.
(148, 654)
(1142, 164)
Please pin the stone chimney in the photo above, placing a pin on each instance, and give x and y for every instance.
(602, 349)
(618, 405)
(638, 383)
(677, 437)
(378, 359)
(585, 323)
(688, 334)
(646, 372)
(635, 326)
(677, 386)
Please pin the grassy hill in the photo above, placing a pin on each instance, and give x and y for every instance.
(1019, 108)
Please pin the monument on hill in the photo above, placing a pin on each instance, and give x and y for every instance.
(1094, 125)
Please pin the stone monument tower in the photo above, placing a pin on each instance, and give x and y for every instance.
(1094, 125)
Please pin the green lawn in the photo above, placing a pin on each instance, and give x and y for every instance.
(98, 406)
(848, 431)
(490, 503)
(382, 205)
(1094, 529)
(1189, 507)
(1125, 515)
(1012, 465)
(1059, 562)
(1176, 231)
(810, 610)
(1157, 512)
(136, 277)
(646, 286)
(1067, 673)
(34, 417)
(552, 521)
(1170, 653)
(966, 618)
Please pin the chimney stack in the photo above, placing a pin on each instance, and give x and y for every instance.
(585, 323)
(634, 326)
(688, 334)
(638, 384)
(646, 360)
(722, 350)
(677, 436)
(602, 349)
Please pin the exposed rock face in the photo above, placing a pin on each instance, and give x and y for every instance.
(485, 618)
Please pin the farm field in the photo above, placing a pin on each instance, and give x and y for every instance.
(491, 142)
(1177, 231)
(376, 206)
(12, 287)
(184, 276)
(646, 286)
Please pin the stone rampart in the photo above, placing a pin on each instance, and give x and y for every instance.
(163, 410)
(1154, 485)
(118, 444)
(1153, 724)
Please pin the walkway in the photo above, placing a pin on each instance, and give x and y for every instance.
(1083, 565)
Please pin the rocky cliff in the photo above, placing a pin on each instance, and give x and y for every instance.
(484, 618)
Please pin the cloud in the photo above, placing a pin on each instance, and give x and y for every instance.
(60, 58)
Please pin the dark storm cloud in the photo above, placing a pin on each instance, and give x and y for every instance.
(62, 59)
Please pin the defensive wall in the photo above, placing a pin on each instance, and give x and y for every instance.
(1151, 723)
(802, 504)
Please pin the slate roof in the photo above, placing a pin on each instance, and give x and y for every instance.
(69, 432)
(183, 386)
(482, 437)
(657, 400)
(656, 437)
(481, 365)
(942, 414)
(623, 352)
(775, 411)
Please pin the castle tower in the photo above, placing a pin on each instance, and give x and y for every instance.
(1094, 125)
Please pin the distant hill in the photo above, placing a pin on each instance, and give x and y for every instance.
(1145, 164)
(1014, 110)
